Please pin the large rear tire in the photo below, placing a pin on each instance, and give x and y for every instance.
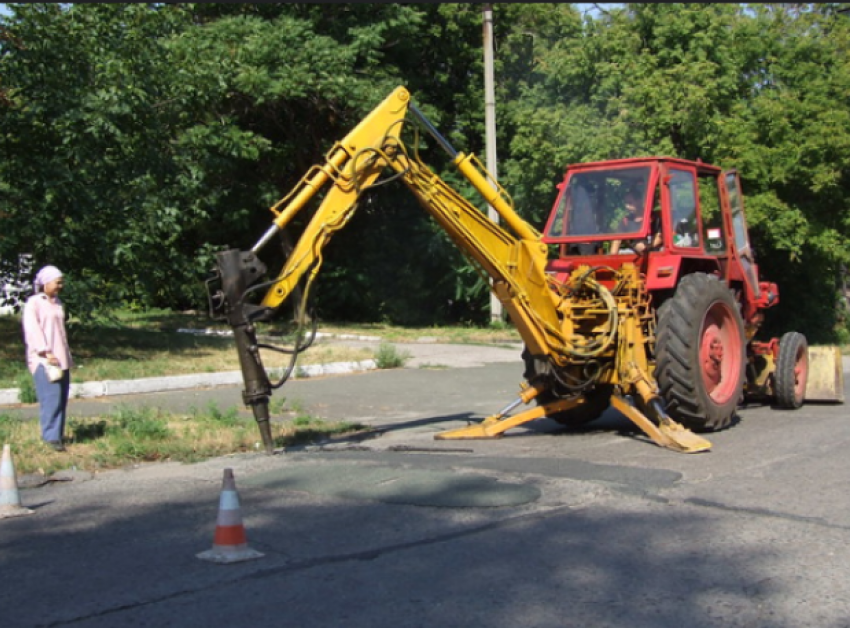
(792, 371)
(700, 353)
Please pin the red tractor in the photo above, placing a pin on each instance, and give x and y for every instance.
(682, 224)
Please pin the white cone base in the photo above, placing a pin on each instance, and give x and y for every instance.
(224, 556)
(7, 512)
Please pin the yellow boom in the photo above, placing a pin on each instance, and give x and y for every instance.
(564, 325)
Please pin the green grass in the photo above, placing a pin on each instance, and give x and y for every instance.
(132, 345)
(389, 357)
(492, 335)
(144, 434)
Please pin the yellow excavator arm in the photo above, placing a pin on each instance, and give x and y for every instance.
(514, 259)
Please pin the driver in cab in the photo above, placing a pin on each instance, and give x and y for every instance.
(633, 221)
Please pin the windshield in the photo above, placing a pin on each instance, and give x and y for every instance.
(601, 203)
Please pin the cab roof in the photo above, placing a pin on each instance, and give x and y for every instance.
(643, 161)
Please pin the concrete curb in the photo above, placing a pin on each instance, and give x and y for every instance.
(107, 388)
(225, 333)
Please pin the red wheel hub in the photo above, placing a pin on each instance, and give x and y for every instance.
(801, 371)
(720, 353)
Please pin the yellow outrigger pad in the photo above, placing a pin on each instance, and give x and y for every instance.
(667, 433)
(826, 375)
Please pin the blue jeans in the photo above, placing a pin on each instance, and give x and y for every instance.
(52, 401)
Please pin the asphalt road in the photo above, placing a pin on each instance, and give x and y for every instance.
(544, 527)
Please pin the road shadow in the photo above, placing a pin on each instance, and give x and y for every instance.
(359, 563)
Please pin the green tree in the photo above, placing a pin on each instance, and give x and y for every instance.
(761, 88)
(789, 135)
(141, 138)
(85, 184)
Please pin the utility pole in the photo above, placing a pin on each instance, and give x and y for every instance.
(490, 131)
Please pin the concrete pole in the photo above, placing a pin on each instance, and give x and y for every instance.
(490, 130)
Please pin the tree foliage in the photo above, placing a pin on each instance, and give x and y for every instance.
(760, 88)
(140, 138)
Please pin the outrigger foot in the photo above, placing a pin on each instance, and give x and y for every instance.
(667, 433)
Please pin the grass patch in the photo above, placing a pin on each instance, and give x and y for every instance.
(388, 356)
(491, 335)
(433, 367)
(130, 436)
(26, 387)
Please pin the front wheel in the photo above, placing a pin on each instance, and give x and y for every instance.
(792, 371)
(700, 353)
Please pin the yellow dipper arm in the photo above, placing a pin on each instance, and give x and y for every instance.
(351, 167)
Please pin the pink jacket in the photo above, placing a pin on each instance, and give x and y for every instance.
(44, 331)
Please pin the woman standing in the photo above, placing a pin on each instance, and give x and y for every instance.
(47, 344)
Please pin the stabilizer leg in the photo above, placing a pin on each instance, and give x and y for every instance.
(496, 425)
(667, 433)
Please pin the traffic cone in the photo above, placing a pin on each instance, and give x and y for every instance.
(229, 543)
(10, 499)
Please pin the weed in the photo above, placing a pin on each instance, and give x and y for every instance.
(296, 406)
(139, 424)
(229, 417)
(277, 405)
(501, 325)
(303, 421)
(8, 428)
(388, 356)
(26, 388)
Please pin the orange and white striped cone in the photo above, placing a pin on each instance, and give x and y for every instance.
(10, 499)
(230, 544)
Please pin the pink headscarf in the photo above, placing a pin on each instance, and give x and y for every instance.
(45, 276)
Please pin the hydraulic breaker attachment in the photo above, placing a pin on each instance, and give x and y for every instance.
(667, 433)
(234, 269)
(826, 375)
(496, 425)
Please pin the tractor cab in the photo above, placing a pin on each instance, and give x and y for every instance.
(668, 216)
(617, 207)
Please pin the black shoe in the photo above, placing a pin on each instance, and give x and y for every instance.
(56, 445)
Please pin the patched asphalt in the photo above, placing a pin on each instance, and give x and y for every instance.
(397, 485)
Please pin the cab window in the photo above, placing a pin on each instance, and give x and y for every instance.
(683, 208)
(593, 203)
(712, 218)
